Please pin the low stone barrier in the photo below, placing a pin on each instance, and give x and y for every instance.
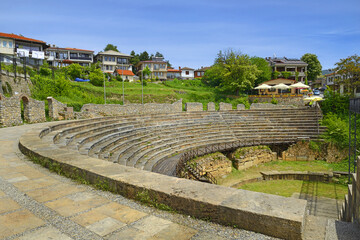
(240, 107)
(211, 106)
(294, 100)
(268, 214)
(225, 106)
(268, 106)
(295, 175)
(193, 107)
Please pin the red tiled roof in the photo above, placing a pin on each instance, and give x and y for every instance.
(125, 72)
(173, 70)
(71, 49)
(14, 36)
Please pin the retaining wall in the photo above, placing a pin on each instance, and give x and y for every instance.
(193, 106)
(297, 101)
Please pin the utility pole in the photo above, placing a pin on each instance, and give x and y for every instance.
(104, 90)
(122, 77)
(142, 86)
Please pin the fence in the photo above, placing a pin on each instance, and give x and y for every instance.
(354, 110)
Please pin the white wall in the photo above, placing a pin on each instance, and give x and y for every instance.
(187, 76)
(7, 49)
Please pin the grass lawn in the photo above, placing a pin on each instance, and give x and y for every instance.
(286, 188)
(315, 166)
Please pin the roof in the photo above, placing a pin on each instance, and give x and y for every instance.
(113, 53)
(202, 69)
(125, 72)
(14, 36)
(69, 49)
(151, 61)
(285, 61)
(187, 68)
(174, 70)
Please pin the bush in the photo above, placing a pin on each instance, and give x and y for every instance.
(338, 130)
(45, 71)
(75, 71)
(335, 103)
(274, 101)
(96, 77)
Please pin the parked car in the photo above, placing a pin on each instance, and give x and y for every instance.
(316, 92)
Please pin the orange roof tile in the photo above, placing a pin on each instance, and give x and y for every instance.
(73, 49)
(125, 72)
(173, 70)
(14, 36)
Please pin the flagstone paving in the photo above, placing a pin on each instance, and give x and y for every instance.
(38, 204)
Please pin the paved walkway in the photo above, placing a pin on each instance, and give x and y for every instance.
(38, 204)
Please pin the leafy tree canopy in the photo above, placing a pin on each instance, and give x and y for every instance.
(111, 47)
(157, 54)
(264, 67)
(314, 67)
(144, 56)
(349, 68)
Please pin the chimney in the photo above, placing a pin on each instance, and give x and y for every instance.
(179, 68)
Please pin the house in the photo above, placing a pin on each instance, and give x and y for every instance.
(334, 81)
(126, 75)
(187, 73)
(111, 60)
(173, 73)
(200, 72)
(157, 66)
(12, 45)
(61, 57)
(291, 65)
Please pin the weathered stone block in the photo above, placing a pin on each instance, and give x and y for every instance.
(211, 106)
(240, 107)
(193, 107)
(225, 106)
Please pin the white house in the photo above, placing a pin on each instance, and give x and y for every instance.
(187, 73)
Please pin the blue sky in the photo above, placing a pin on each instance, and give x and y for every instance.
(191, 33)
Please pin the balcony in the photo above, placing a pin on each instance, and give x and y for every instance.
(80, 58)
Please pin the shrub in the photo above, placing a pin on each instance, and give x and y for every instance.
(274, 101)
(45, 71)
(338, 130)
(75, 71)
(96, 77)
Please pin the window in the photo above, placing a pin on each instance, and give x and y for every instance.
(110, 67)
(198, 74)
(107, 67)
(113, 59)
(105, 58)
(4, 43)
(187, 72)
(10, 44)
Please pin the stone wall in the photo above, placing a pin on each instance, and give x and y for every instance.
(246, 157)
(240, 107)
(18, 85)
(297, 101)
(216, 163)
(302, 151)
(56, 109)
(100, 110)
(211, 106)
(225, 106)
(193, 106)
(10, 112)
(34, 111)
(350, 211)
(269, 106)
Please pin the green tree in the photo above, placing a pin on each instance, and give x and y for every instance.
(349, 69)
(212, 76)
(264, 67)
(144, 56)
(96, 77)
(286, 74)
(147, 72)
(157, 54)
(314, 67)
(75, 71)
(111, 47)
(275, 74)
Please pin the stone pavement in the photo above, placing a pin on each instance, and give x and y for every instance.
(38, 204)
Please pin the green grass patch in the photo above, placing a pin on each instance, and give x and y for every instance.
(287, 188)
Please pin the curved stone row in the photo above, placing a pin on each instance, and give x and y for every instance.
(147, 141)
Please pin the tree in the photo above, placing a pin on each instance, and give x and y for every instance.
(234, 70)
(75, 71)
(96, 77)
(144, 56)
(146, 72)
(314, 67)
(286, 74)
(349, 69)
(157, 54)
(111, 47)
(264, 67)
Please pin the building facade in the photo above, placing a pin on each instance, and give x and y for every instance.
(173, 73)
(12, 45)
(292, 65)
(157, 66)
(198, 73)
(187, 73)
(111, 60)
(61, 57)
(126, 75)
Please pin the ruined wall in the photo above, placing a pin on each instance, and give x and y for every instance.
(10, 112)
(34, 112)
(18, 85)
(225, 106)
(297, 101)
(211, 106)
(100, 110)
(193, 106)
(240, 107)
(216, 163)
(246, 157)
(56, 109)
